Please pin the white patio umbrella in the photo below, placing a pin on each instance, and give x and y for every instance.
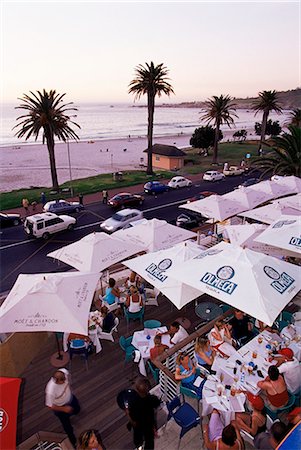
(269, 213)
(293, 183)
(271, 189)
(284, 233)
(257, 284)
(245, 236)
(293, 201)
(154, 268)
(154, 235)
(49, 302)
(247, 197)
(215, 207)
(95, 252)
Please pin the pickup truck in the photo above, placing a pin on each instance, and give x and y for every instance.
(233, 170)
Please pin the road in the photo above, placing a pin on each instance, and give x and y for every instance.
(22, 255)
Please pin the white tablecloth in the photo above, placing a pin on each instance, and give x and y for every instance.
(144, 345)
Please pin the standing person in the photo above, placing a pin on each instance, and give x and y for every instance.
(81, 199)
(25, 204)
(104, 196)
(141, 412)
(61, 400)
(43, 198)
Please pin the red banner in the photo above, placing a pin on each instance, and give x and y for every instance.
(9, 395)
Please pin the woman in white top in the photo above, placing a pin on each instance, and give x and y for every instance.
(134, 300)
(218, 337)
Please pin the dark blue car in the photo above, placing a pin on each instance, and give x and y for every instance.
(155, 187)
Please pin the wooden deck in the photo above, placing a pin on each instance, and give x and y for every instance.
(96, 388)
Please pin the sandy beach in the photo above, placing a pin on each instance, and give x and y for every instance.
(24, 166)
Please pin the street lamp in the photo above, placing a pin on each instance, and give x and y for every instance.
(69, 162)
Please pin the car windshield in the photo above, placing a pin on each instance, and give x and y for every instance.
(117, 197)
(117, 217)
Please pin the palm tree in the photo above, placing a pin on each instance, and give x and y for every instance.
(150, 80)
(266, 102)
(45, 113)
(285, 157)
(295, 117)
(219, 110)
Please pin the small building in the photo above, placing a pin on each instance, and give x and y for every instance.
(167, 157)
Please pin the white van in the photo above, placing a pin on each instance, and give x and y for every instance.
(45, 224)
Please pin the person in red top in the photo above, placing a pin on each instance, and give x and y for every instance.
(158, 349)
(275, 388)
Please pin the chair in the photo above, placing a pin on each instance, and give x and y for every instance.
(184, 415)
(285, 409)
(152, 324)
(133, 316)
(127, 347)
(109, 336)
(185, 391)
(78, 347)
(154, 371)
(225, 308)
(282, 324)
(247, 437)
(151, 296)
(287, 316)
(111, 307)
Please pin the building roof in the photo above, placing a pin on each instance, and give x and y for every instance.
(166, 150)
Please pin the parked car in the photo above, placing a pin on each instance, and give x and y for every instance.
(120, 219)
(9, 220)
(155, 187)
(200, 196)
(61, 206)
(233, 170)
(45, 224)
(190, 220)
(213, 175)
(179, 182)
(125, 199)
(249, 182)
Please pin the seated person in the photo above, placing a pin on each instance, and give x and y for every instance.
(219, 437)
(270, 440)
(288, 332)
(290, 368)
(203, 353)
(294, 417)
(134, 300)
(132, 280)
(275, 388)
(241, 327)
(263, 326)
(186, 373)
(108, 321)
(112, 292)
(177, 333)
(218, 337)
(158, 349)
(254, 422)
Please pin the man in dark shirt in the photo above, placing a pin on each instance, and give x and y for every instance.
(141, 412)
(269, 440)
(108, 319)
(241, 327)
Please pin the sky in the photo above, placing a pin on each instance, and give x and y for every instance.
(90, 49)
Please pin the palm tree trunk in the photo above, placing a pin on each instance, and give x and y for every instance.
(150, 126)
(50, 146)
(263, 128)
(215, 147)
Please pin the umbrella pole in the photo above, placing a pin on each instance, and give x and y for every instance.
(59, 358)
(59, 355)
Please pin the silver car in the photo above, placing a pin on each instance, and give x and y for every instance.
(120, 219)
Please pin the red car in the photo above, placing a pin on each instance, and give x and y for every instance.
(200, 196)
(125, 200)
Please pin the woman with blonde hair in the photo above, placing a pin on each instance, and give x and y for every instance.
(186, 373)
(220, 339)
(134, 300)
(203, 353)
(90, 440)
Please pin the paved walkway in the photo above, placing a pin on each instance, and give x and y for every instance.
(96, 197)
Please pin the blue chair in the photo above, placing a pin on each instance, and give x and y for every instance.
(127, 347)
(134, 316)
(285, 409)
(287, 316)
(78, 347)
(225, 308)
(154, 371)
(152, 324)
(184, 415)
(282, 324)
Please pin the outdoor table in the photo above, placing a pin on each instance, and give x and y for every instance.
(207, 311)
(141, 343)
(226, 404)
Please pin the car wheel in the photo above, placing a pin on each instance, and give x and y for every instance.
(16, 222)
(70, 227)
(46, 236)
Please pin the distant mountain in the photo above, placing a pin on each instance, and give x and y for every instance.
(289, 100)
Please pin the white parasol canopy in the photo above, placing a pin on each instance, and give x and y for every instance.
(49, 302)
(293, 201)
(215, 207)
(257, 284)
(269, 213)
(154, 235)
(291, 182)
(247, 197)
(154, 268)
(271, 189)
(95, 252)
(284, 233)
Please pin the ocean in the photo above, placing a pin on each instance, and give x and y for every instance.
(115, 121)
